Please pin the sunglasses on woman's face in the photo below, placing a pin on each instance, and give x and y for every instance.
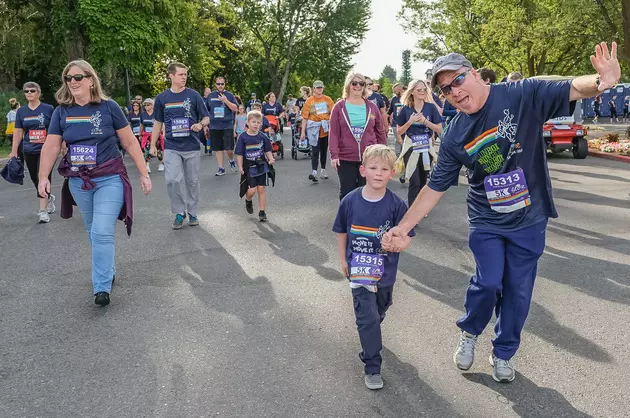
(147, 104)
(358, 83)
(457, 81)
(30, 91)
(77, 77)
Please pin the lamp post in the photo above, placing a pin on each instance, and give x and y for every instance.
(127, 91)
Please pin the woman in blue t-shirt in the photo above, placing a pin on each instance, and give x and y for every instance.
(91, 125)
(134, 119)
(420, 121)
(31, 125)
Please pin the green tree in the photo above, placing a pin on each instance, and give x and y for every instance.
(406, 67)
(389, 73)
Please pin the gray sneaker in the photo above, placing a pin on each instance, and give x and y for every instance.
(465, 353)
(502, 370)
(50, 208)
(373, 381)
(43, 217)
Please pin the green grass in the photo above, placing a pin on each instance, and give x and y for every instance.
(5, 150)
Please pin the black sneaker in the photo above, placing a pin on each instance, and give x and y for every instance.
(249, 206)
(313, 177)
(262, 216)
(101, 298)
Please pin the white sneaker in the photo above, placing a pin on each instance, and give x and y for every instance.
(502, 370)
(322, 174)
(50, 208)
(161, 167)
(43, 217)
(465, 353)
(149, 168)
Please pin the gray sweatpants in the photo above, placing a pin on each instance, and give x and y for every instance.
(181, 172)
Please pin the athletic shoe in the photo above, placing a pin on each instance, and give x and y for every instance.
(43, 217)
(233, 166)
(161, 167)
(101, 298)
(373, 381)
(313, 176)
(50, 208)
(322, 174)
(149, 167)
(465, 353)
(192, 220)
(262, 216)
(178, 223)
(502, 370)
(220, 172)
(249, 206)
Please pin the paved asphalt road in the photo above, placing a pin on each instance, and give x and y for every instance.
(241, 319)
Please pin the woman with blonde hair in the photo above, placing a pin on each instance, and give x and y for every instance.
(355, 124)
(11, 117)
(420, 121)
(96, 181)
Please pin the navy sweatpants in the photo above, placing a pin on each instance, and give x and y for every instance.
(504, 281)
(369, 309)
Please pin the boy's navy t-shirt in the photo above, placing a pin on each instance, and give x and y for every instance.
(252, 147)
(94, 124)
(147, 121)
(221, 116)
(178, 112)
(134, 122)
(365, 223)
(499, 145)
(34, 122)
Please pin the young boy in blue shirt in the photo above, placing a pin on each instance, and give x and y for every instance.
(253, 156)
(364, 216)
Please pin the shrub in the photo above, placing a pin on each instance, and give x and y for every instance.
(612, 137)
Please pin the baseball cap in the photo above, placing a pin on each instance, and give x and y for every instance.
(450, 62)
(318, 83)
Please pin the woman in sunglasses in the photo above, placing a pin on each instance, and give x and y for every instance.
(92, 125)
(31, 125)
(420, 121)
(355, 124)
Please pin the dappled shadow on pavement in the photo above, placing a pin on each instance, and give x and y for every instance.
(593, 175)
(591, 198)
(449, 287)
(528, 399)
(296, 248)
(593, 238)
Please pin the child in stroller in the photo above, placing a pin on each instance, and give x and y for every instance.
(298, 145)
(275, 135)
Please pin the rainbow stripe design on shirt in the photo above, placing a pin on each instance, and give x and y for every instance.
(78, 119)
(253, 147)
(511, 198)
(483, 139)
(174, 105)
(364, 231)
(31, 118)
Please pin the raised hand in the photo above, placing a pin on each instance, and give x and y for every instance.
(606, 65)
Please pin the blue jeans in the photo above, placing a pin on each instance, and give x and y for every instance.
(100, 208)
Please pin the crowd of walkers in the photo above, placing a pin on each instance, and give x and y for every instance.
(492, 129)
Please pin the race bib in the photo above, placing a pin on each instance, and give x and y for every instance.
(398, 107)
(357, 132)
(83, 155)
(37, 136)
(421, 143)
(321, 108)
(219, 112)
(148, 129)
(136, 130)
(507, 192)
(180, 127)
(366, 268)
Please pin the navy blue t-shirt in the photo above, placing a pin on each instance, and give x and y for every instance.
(221, 116)
(495, 144)
(147, 121)
(94, 124)
(428, 110)
(394, 108)
(35, 123)
(365, 223)
(134, 122)
(377, 99)
(252, 147)
(437, 100)
(272, 109)
(179, 112)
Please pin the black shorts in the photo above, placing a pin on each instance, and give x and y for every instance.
(257, 181)
(222, 140)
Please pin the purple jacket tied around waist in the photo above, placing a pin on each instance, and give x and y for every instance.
(113, 166)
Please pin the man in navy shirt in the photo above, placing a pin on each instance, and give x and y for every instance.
(182, 112)
(377, 99)
(497, 135)
(222, 104)
(394, 110)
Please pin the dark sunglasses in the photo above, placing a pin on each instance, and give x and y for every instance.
(358, 83)
(77, 77)
(147, 104)
(458, 81)
(220, 84)
(30, 91)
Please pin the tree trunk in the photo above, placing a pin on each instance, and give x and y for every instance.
(285, 80)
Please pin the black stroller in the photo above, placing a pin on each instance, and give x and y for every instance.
(298, 145)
